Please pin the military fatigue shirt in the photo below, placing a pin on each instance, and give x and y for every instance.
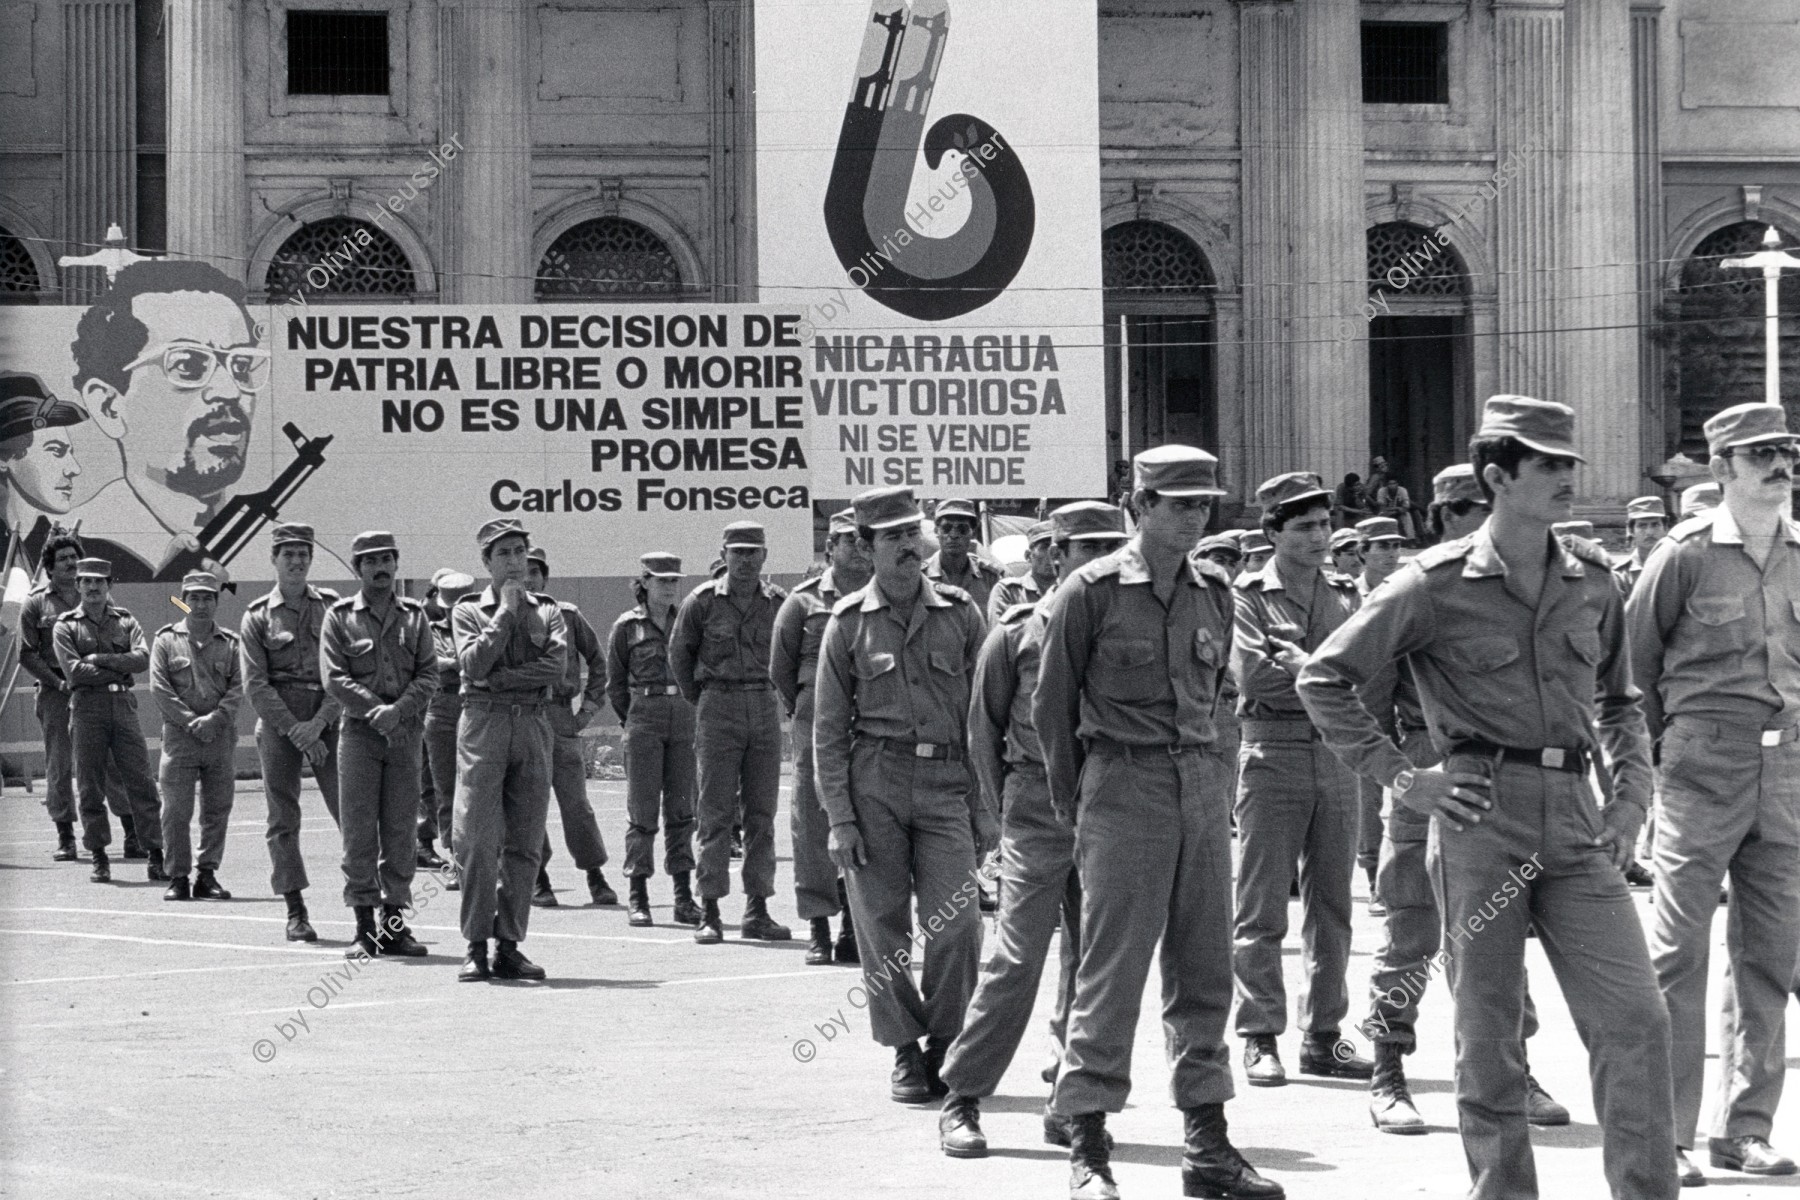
(369, 659)
(799, 631)
(1489, 665)
(637, 655)
(718, 639)
(585, 650)
(512, 658)
(1713, 635)
(1304, 612)
(978, 578)
(279, 644)
(882, 677)
(37, 622)
(1013, 590)
(446, 702)
(192, 679)
(1118, 665)
(1006, 674)
(115, 638)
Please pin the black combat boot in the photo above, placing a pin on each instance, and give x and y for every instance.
(711, 930)
(545, 895)
(818, 950)
(511, 963)
(600, 891)
(153, 870)
(178, 889)
(299, 929)
(396, 939)
(959, 1128)
(475, 967)
(935, 1049)
(1334, 1057)
(132, 848)
(686, 911)
(758, 925)
(427, 858)
(1212, 1168)
(907, 1084)
(66, 850)
(638, 902)
(1090, 1159)
(1390, 1101)
(102, 872)
(207, 888)
(365, 940)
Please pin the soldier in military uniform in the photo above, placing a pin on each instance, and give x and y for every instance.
(1222, 549)
(719, 653)
(1346, 552)
(1035, 583)
(295, 719)
(514, 649)
(1458, 506)
(1257, 548)
(198, 683)
(1133, 656)
(441, 717)
(793, 665)
(659, 740)
(889, 738)
(1037, 851)
(378, 663)
(1715, 646)
(1514, 638)
(1297, 804)
(1646, 521)
(955, 563)
(1379, 543)
(100, 647)
(568, 771)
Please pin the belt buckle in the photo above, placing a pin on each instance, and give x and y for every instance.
(1772, 737)
(1552, 758)
(923, 750)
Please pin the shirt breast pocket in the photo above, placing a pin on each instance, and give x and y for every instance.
(878, 680)
(1586, 645)
(284, 649)
(1484, 654)
(1719, 624)
(181, 670)
(1125, 670)
(360, 656)
(718, 641)
(647, 661)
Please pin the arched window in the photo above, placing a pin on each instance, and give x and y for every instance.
(1160, 313)
(1409, 260)
(1148, 258)
(19, 282)
(610, 257)
(339, 258)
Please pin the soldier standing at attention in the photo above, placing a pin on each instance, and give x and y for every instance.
(1035, 583)
(376, 656)
(1037, 851)
(1515, 639)
(794, 666)
(1297, 804)
(295, 719)
(1133, 658)
(514, 649)
(568, 771)
(956, 522)
(719, 653)
(442, 716)
(1715, 645)
(889, 731)
(1646, 521)
(100, 647)
(198, 683)
(659, 740)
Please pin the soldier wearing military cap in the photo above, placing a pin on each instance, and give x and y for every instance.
(1037, 851)
(378, 663)
(719, 653)
(1222, 548)
(514, 648)
(1257, 550)
(1515, 637)
(99, 647)
(1715, 645)
(794, 666)
(198, 682)
(574, 705)
(659, 740)
(1381, 543)
(1347, 552)
(1700, 499)
(1035, 583)
(437, 783)
(296, 721)
(1646, 521)
(890, 759)
(1298, 807)
(1578, 529)
(1134, 652)
(956, 523)
(1458, 505)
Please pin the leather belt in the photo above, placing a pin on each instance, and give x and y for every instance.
(1126, 750)
(528, 708)
(105, 687)
(736, 685)
(1279, 729)
(1766, 738)
(1552, 758)
(655, 689)
(297, 684)
(913, 749)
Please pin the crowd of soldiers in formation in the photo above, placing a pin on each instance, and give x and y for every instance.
(1483, 729)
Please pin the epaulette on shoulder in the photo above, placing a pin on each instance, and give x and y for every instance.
(68, 616)
(1686, 529)
(951, 592)
(567, 606)
(810, 584)
(258, 604)
(846, 603)
(1590, 552)
(329, 595)
(775, 590)
(169, 628)
(407, 602)
(1018, 612)
(1443, 552)
(346, 602)
(1100, 568)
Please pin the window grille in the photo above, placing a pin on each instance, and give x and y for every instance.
(19, 282)
(608, 256)
(1413, 253)
(328, 258)
(1147, 257)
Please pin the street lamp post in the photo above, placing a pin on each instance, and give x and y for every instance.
(1771, 259)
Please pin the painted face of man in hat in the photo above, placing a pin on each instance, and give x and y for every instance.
(41, 468)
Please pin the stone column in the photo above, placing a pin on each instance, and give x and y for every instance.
(1646, 124)
(207, 208)
(733, 150)
(493, 221)
(100, 120)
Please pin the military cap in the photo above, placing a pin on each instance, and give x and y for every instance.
(1701, 498)
(199, 581)
(1289, 488)
(449, 579)
(1581, 529)
(372, 541)
(93, 568)
(1646, 508)
(291, 533)
(1043, 531)
(1176, 470)
(884, 508)
(659, 565)
(1255, 541)
(1345, 537)
(1457, 482)
(1747, 425)
(1087, 521)
(1543, 425)
(26, 406)
(492, 531)
(843, 521)
(957, 508)
(1380, 529)
(1226, 542)
(746, 535)
(536, 555)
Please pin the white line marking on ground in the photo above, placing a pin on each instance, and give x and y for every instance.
(144, 941)
(276, 966)
(194, 916)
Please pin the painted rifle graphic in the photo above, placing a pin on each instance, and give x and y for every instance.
(244, 515)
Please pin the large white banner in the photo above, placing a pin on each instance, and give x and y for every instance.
(928, 194)
(175, 425)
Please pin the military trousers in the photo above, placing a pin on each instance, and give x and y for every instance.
(1297, 804)
(104, 733)
(737, 738)
(1532, 862)
(1728, 806)
(378, 806)
(1153, 852)
(568, 783)
(815, 875)
(503, 756)
(187, 765)
(440, 764)
(919, 839)
(1368, 824)
(659, 781)
(1039, 891)
(59, 762)
(428, 802)
(281, 764)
